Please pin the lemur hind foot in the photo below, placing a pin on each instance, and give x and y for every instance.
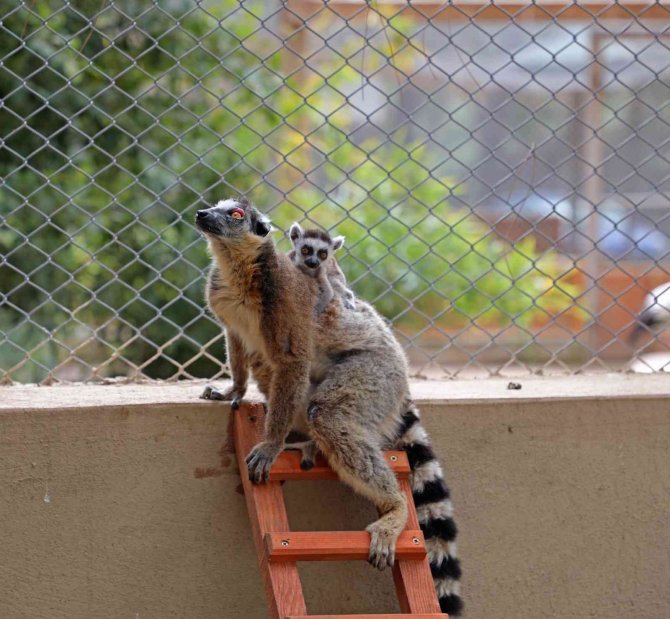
(308, 451)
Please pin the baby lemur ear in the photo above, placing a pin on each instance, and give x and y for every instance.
(262, 227)
(295, 232)
(338, 241)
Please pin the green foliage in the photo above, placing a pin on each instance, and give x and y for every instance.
(416, 257)
(408, 251)
(119, 146)
(116, 125)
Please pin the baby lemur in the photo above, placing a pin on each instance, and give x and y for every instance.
(341, 376)
(313, 253)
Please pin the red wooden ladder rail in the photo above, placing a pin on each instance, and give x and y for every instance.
(279, 548)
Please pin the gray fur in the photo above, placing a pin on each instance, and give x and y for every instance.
(359, 387)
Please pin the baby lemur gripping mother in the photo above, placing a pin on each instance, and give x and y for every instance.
(313, 254)
(341, 377)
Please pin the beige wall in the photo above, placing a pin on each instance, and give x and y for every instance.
(112, 507)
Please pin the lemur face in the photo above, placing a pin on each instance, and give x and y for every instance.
(313, 247)
(233, 219)
(313, 254)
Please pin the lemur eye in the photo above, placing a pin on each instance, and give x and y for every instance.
(323, 254)
(305, 251)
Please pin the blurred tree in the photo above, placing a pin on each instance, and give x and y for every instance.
(409, 251)
(116, 119)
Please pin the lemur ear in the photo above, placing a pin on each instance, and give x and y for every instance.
(295, 232)
(263, 226)
(338, 241)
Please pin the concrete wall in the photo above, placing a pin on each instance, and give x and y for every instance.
(123, 502)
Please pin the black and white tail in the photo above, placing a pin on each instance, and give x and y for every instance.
(434, 509)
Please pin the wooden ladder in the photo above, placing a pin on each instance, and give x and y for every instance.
(279, 548)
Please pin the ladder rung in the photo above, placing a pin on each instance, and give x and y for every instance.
(336, 545)
(410, 616)
(287, 466)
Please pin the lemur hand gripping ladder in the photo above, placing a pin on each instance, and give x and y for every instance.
(279, 548)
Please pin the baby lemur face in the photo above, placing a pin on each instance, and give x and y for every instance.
(312, 247)
(232, 220)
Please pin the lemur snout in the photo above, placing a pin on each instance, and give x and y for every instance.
(201, 214)
(312, 262)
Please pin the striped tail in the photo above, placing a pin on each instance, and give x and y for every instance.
(434, 509)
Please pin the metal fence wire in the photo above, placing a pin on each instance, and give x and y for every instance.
(499, 170)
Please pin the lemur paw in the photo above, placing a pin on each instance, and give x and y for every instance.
(260, 460)
(307, 451)
(211, 393)
(382, 546)
(233, 394)
(306, 464)
(349, 304)
(308, 456)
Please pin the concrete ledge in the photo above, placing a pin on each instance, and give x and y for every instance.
(463, 392)
(123, 501)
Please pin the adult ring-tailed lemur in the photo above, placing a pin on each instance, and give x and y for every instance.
(340, 376)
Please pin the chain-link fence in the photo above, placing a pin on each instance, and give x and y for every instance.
(499, 170)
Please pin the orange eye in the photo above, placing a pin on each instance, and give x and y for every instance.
(323, 254)
(304, 251)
